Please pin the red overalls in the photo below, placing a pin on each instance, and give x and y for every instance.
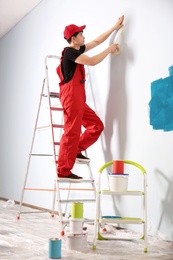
(76, 114)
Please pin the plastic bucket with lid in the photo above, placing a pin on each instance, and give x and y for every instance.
(76, 225)
(118, 182)
(76, 242)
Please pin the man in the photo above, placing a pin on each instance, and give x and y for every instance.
(72, 96)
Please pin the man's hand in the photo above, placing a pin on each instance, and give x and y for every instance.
(119, 23)
(114, 49)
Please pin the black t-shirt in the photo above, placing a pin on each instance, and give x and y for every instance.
(68, 65)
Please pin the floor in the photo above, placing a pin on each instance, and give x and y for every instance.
(28, 238)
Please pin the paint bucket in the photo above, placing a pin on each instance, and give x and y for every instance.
(77, 210)
(76, 242)
(76, 225)
(118, 182)
(54, 248)
(118, 167)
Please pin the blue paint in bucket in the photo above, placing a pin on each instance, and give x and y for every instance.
(54, 248)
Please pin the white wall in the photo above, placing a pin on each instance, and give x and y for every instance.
(120, 93)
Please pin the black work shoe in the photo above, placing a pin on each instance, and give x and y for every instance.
(81, 158)
(72, 177)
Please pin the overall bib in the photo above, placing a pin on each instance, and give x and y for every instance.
(76, 114)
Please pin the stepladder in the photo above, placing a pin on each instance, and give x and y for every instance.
(41, 173)
(134, 191)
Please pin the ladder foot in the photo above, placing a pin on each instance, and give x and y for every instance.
(104, 229)
(62, 233)
(18, 217)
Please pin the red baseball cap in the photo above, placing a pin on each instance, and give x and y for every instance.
(71, 29)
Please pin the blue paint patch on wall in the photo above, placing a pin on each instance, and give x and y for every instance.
(161, 103)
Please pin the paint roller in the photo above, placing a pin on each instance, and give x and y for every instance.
(117, 40)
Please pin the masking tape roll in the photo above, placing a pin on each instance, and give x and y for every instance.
(118, 167)
(77, 210)
(117, 40)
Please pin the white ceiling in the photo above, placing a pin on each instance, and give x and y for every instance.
(12, 11)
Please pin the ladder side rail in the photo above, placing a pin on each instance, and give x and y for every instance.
(54, 199)
(68, 196)
(145, 214)
(31, 149)
(51, 119)
(91, 175)
(98, 211)
(52, 130)
(59, 206)
(92, 179)
(143, 171)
